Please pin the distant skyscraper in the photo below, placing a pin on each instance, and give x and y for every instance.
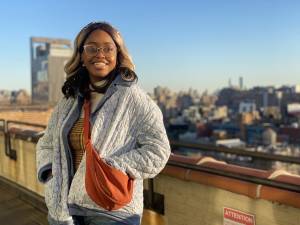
(241, 83)
(265, 99)
(48, 58)
(296, 88)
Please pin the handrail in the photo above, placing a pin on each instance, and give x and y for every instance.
(25, 123)
(2, 128)
(11, 153)
(236, 175)
(236, 151)
(6, 140)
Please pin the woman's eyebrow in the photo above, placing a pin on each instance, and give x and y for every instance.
(91, 42)
(97, 43)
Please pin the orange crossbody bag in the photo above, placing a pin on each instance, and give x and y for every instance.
(108, 187)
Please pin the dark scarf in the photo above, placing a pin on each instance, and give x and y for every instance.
(90, 87)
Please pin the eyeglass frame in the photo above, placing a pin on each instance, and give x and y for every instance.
(99, 49)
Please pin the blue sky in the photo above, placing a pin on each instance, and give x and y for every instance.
(178, 44)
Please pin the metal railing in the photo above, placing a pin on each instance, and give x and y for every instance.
(2, 126)
(12, 153)
(24, 123)
(236, 151)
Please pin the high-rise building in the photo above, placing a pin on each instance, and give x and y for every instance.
(241, 84)
(296, 88)
(48, 58)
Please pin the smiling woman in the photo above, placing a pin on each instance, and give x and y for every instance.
(104, 137)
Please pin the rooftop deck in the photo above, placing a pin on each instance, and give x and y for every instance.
(17, 207)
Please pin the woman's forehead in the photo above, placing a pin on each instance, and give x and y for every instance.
(99, 36)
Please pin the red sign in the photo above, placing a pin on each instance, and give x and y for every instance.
(236, 217)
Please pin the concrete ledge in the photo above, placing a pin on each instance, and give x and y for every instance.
(249, 189)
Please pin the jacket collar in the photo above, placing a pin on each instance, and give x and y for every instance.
(118, 81)
(113, 87)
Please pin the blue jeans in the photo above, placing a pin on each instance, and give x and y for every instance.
(95, 220)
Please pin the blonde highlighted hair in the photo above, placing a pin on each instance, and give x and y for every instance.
(73, 66)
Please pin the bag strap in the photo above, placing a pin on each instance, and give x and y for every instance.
(86, 121)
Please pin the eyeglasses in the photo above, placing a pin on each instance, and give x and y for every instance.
(92, 50)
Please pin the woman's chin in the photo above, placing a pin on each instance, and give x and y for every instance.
(98, 76)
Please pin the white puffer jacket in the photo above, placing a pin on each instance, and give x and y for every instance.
(128, 132)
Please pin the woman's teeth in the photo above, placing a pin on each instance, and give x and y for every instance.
(99, 64)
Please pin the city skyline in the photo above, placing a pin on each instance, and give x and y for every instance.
(196, 45)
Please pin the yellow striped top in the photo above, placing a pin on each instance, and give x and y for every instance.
(76, 134)
(77, 143)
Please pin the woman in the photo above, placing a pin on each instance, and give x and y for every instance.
(127, 131)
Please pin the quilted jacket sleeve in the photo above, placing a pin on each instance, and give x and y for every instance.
(153, 150)
(44, 149)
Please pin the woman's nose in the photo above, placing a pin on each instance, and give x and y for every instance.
(100, 54)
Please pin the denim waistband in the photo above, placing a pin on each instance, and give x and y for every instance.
(120, 217)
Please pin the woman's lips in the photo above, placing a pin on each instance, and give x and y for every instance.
(99, 65)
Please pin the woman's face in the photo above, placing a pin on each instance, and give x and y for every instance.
(99, 55)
